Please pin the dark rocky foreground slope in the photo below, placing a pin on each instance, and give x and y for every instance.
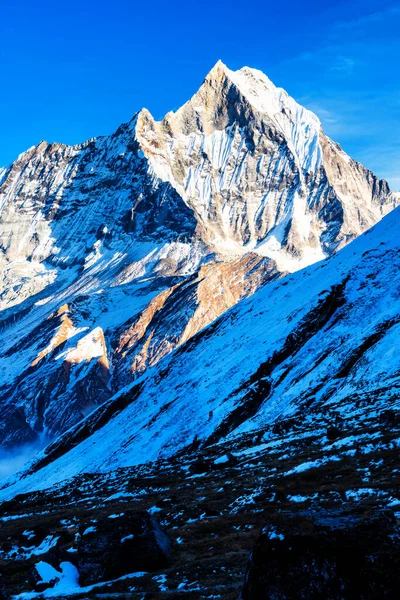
(326, 554)
(297, 479)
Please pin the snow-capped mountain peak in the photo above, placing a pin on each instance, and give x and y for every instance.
(259, 173)
(165, 355)
(153, 232)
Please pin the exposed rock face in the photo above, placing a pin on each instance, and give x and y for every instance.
(118, 250)
(66, 205)
(39, 581)
(178, 313)
(66, 378)
(325, 555)
(120, 545)
(4, 595)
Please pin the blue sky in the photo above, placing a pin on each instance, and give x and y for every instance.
(73, 70)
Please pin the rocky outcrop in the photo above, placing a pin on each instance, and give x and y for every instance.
(38, 579)
(178, 313)
(4, 595)
(121, 544)
(328, 554)
(64, 382)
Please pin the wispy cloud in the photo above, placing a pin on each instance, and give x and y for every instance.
(330, 59)
(344, 64)
(350, 81)
(324, 114)
(372, 18)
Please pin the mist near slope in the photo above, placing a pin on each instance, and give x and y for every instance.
(13, 460)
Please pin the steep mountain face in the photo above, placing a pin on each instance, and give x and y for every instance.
(314, 348)
(116, 251)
